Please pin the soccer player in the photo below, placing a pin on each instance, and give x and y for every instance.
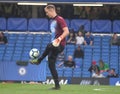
(59, 32)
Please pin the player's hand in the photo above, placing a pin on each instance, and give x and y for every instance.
(56, 42)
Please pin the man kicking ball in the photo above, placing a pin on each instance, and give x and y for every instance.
(59, 32)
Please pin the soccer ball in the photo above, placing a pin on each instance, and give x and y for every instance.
(34, 53)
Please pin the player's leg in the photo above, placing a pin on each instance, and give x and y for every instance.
(52, 60)
(45, 53)
(53, 71)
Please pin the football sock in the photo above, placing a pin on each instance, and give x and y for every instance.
(57, 83)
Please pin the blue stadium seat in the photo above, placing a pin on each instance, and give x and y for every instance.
(88, 57)
(2, 51)
(18, 52)
(97, 41)
(70, 50)
(16, 57)
(114, 49)
(86, 65)
(2, 47)
(22, 38)
(101, 26)
(28, 42)
(36, 24)
(1, 57)
(67, 72)
(106, 38)
(38, 37)
(45, 42)
(97, 38)
(86, 74)
(88, 50)
(105, 57)
(96, 57)
(12, 38)
(60, 72)
(70, 46)
(97, 49)
(77, 72)
(105, 47)
(19, 45)
(37, 41)
(17, 24)
(114, 56)
(46, 36)
(37, 46)
(43, 45)
(27, 48)
(13, 35)
(78, 62)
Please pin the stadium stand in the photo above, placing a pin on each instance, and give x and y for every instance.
(20, 43)
(67, 72)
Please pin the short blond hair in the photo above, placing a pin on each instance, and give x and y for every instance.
(50, 7)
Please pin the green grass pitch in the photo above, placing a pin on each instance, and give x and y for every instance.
(65, 89)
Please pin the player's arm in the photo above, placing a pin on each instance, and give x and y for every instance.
(65, 33)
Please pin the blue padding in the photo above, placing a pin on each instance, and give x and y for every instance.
(116, 26)
(11, 71)
(17, 24)
(101, 26)
(76, 23)
(2, 24)
(40, 24)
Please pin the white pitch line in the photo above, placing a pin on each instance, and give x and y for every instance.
(99, 89)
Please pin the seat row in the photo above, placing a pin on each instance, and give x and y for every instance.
(70, 72)
(42, 24)
(19, 46)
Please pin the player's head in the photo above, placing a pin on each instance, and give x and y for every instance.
(112, 71)
(70, 58)
(50, 11)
